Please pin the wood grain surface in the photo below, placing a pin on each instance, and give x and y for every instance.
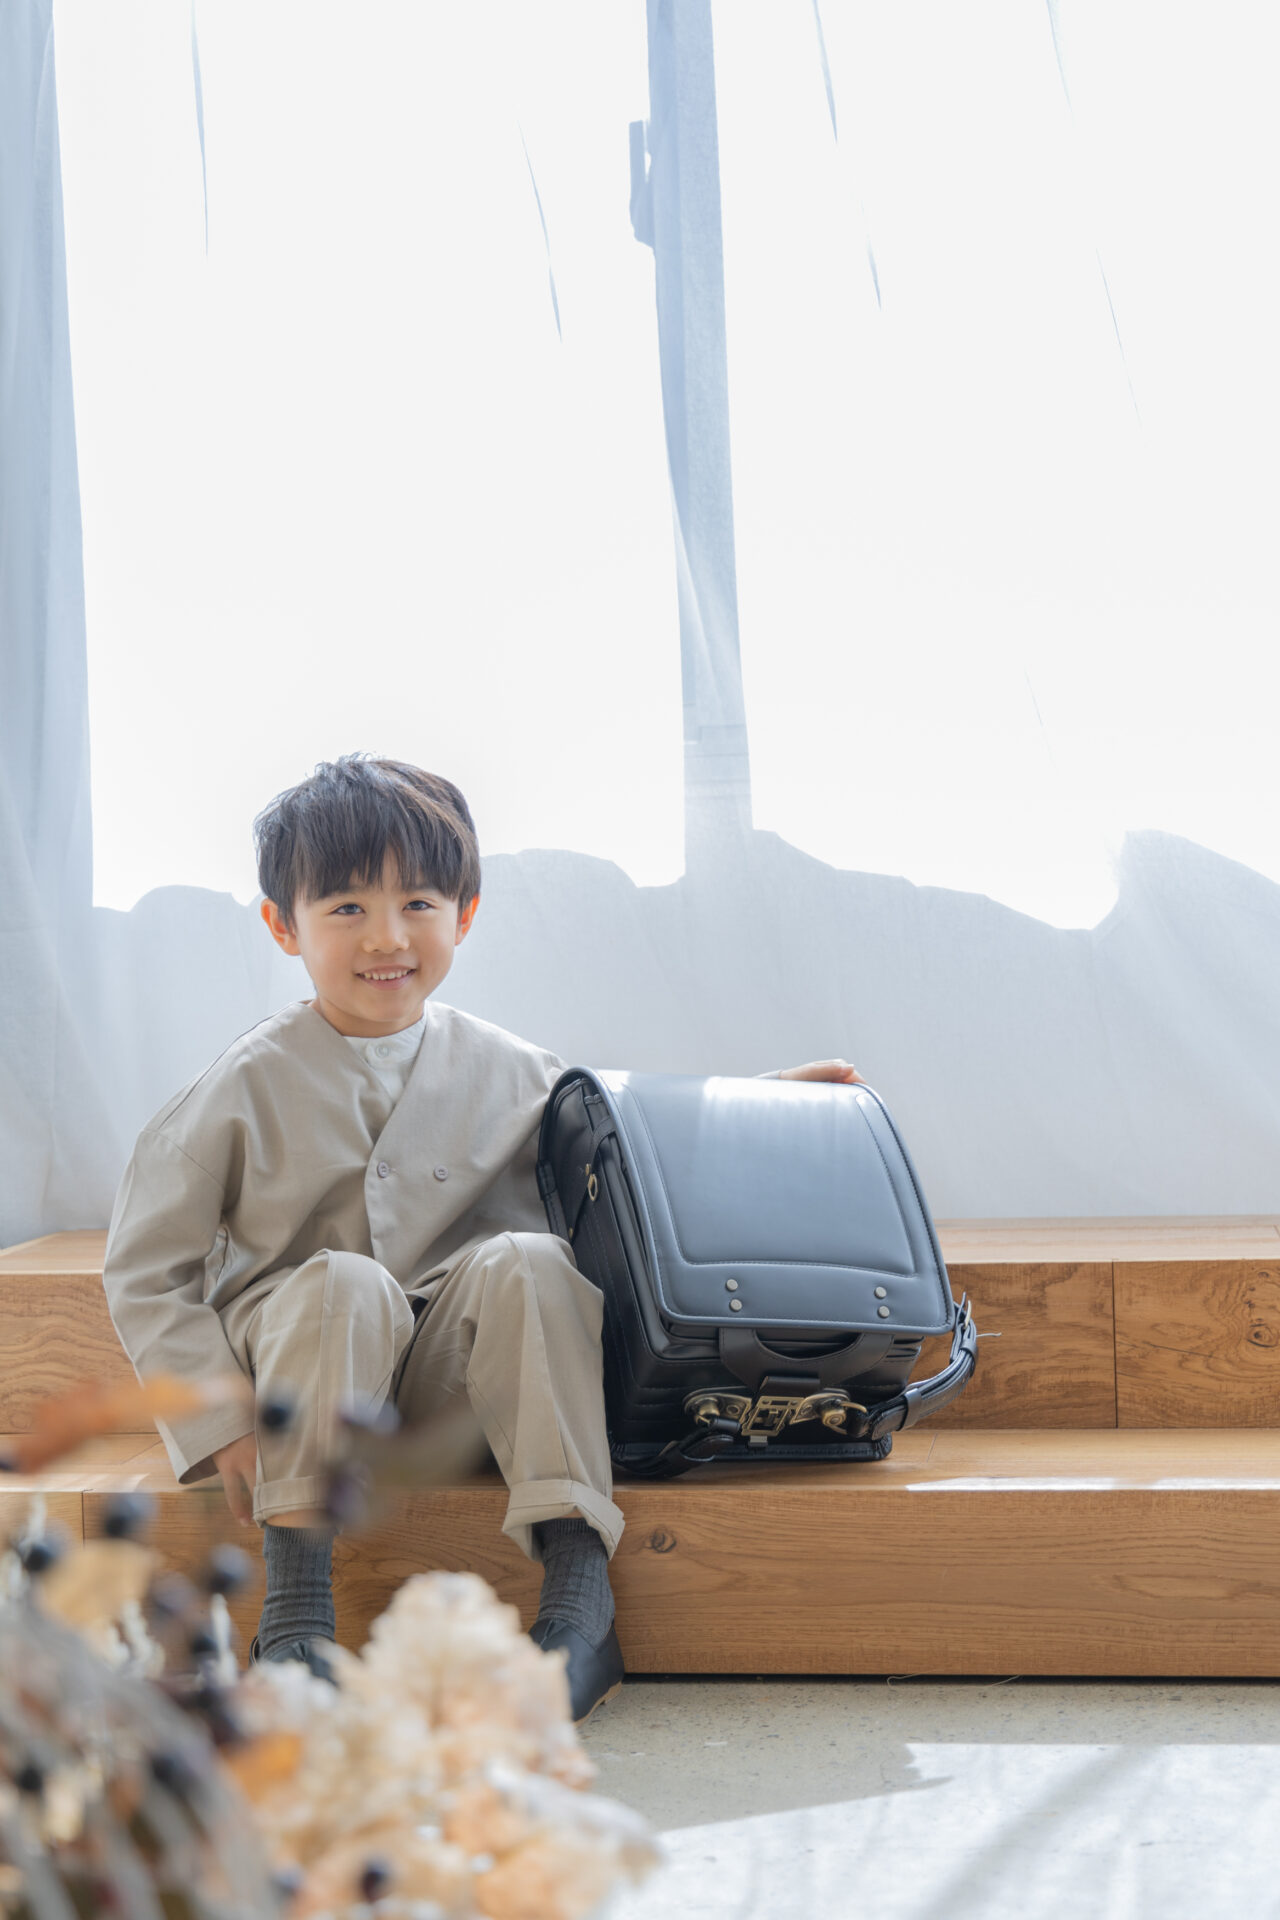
(62, 1509)
(79, 1252)
(113, 1463)
(1198, 1344)
(1153, 1458)
(1167, 1236)
(1137, 1458)
(977, 1242)
(1053, 1362)
(1068, 1582)
(55, 1331)
(1124, 1553)
(1186, 1339)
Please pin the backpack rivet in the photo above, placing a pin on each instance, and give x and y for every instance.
(882, 1293)
(883, 1312)
(735, 1306)
(732, 1285)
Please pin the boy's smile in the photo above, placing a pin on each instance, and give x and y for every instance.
(389, 979)
(374, 953)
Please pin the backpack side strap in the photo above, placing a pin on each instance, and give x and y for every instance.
(717, 1435)
(926, 1396)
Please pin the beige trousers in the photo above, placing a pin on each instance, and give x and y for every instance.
(512, 1325)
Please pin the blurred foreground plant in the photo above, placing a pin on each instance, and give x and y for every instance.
(143, 1775)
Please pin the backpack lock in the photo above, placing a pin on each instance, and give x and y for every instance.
(770, 1413)
(704, 1406)
(832, 1407)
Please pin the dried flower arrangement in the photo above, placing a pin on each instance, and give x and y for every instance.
(446, 1755)
(142, 1774)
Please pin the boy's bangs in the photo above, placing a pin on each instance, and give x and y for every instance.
(353, 851)
(339, 829)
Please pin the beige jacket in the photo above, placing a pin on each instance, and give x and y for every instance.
(289, 1143)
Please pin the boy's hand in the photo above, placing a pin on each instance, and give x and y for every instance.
(238, 1464)
(824, 1070)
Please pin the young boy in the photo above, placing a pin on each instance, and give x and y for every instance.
(344, 1206)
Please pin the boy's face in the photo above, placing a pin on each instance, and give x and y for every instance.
(374, 953)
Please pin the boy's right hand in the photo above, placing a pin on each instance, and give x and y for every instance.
(238, 1464)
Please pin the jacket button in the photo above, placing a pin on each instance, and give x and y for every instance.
(383, 1169)
(441, 1173)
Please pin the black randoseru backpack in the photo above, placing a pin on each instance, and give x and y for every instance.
(768, 1265)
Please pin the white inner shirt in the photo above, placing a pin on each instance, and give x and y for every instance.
(392, 1056)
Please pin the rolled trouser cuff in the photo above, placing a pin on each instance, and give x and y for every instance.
(536, 1500)
(271, 1497)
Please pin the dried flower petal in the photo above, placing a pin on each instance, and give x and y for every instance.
(97, 1581)
(263, 1762)
(93, 1407)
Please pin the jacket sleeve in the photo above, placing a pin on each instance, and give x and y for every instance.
(163, 1228)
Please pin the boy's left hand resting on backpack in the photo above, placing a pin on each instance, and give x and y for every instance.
(823, 1070)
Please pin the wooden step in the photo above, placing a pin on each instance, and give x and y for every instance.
(1102, 1323)
(1123, 1553)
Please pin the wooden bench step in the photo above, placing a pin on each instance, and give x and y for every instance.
(1123, 1553)
(1102, 1323)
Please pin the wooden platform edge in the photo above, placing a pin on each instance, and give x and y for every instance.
(924, 1570)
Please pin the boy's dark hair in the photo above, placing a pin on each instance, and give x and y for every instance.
(336, 830)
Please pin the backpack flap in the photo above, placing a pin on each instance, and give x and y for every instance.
(790, 1204)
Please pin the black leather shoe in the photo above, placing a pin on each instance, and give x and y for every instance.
(310, 1652)
(594, 1673)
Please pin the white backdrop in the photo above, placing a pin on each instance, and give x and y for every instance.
(1006, 501)
(356, 474)
(380, 465)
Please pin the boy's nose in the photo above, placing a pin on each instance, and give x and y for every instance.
(385, 939)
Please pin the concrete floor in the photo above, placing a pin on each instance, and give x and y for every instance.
(950, 1799)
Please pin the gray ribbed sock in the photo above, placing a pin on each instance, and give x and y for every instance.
(299, 1602)
(575, 1577)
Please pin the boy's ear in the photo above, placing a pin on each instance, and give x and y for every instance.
(465, 916)
(280, 933)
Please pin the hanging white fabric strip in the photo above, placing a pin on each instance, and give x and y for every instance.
(59, 1138)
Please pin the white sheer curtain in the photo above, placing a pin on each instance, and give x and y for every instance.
(1004, 410)
(371, 456)
(381, 464)
(55, 1124)
(1002, 297)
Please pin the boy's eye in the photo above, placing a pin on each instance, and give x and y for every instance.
(353, 906)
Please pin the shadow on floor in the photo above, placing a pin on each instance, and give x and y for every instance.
(689, 1750)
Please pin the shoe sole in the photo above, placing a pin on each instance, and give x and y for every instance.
(603, 1701)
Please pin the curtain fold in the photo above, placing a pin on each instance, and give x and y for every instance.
(58, 1140)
